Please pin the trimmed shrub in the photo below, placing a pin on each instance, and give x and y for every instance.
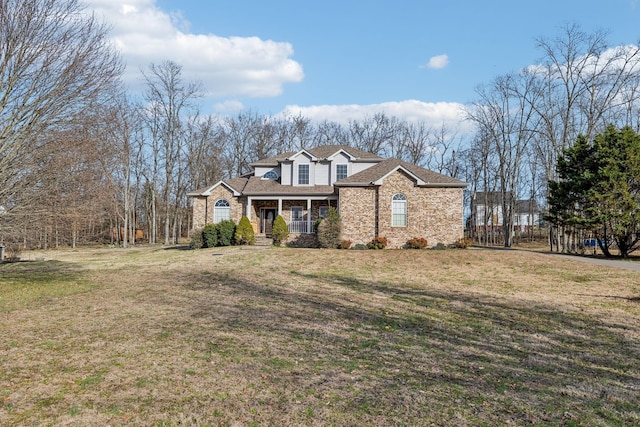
(345, 244)
(210, 236)
(440, 247)
(197, 242)
(329, 230)
(360, 247)
(378, 243)
(226, 232)
(280, 231)
(244, 232)
(416, 243)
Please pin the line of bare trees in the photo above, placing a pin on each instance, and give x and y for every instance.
(143, 157)
(525, 119)
(82, 161)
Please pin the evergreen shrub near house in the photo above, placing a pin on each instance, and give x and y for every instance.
(244, 232)
(280, 231)
(378, 243)
(209, 236)
(416, 243)
(220, 234)
(226, 232)
(360, 247)
(440, 247)
(329, 230)
(197, 242)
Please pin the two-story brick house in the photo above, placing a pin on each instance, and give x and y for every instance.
(374, 196)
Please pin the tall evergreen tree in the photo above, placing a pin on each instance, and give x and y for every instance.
(599, 189)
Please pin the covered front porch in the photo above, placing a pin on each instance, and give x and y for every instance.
(299, 212)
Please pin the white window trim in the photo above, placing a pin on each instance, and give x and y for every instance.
(294, 208)
(221, 209)
(395, 204)
(346, 174)
(308, 174)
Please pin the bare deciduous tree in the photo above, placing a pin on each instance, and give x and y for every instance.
(374, 134)
(582, 85)
(506, 117)
(55, 61)
(170, 99)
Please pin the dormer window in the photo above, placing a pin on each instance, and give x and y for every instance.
(270, 175)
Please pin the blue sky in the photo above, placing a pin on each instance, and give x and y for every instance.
(346, 59)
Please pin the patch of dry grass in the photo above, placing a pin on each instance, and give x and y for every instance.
(247, 337)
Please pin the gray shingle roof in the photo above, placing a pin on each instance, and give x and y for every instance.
(321, 153)
(273, 161)
(328, 150)
(382, 169)
(494, 198)
(254, 186)
(258, 186)
(237, 184)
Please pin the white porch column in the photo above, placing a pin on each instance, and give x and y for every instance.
(308, 215)
(249, 208)
(279, 205)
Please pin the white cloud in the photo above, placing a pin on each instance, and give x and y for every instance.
(227, 66)
(229, 106)
(451, 114)
(437, 62)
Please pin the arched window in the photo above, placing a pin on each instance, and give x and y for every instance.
(399, 210)
(222, 210)
(270, 175)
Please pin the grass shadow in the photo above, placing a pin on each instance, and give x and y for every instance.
(399, 353)
(177, 248)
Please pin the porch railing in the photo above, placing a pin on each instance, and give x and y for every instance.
(300, 227)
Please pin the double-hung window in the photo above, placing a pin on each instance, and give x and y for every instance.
(296, 213)
(341, 172)
(399, 210)
(303, 174)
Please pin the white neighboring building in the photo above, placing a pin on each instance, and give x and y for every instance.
(486, 210)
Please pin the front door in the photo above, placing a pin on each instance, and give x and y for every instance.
(266, 221)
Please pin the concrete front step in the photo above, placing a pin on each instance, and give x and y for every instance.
(263, 241)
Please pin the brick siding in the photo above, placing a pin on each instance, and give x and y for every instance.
(432, 213)
(202, 204)
(357, 212)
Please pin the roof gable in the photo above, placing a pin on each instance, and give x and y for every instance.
(303, 153)
(376, 174)
(324, 152)
(235, 185)
(256, 186)
(396, 168)
(328, 152)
